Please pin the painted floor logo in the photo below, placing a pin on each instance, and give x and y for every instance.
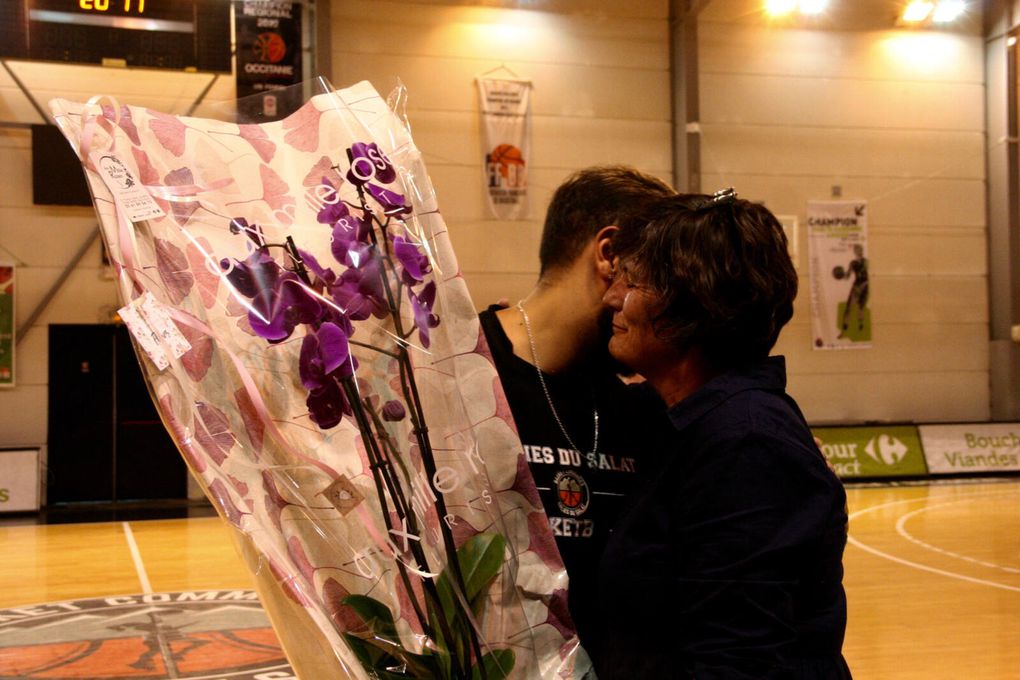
(202, 635)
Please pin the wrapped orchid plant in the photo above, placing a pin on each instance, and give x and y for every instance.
(314, 353)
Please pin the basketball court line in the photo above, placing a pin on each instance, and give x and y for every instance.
(902, 531)
(916, 565)
(136, 556)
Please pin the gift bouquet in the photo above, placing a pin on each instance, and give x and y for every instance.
(313, 351)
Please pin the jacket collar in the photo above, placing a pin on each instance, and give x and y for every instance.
(769, 374)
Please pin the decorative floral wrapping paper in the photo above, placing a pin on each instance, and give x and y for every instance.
(330, 343)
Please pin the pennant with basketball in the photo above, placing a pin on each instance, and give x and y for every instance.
(506, 108)
(838, 243)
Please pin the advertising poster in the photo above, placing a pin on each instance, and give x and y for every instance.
(505, 106)
(268, 57)
(889, 451)
(6, 325)
(838, 251)
(978, 447)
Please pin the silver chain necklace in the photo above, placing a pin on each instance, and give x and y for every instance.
(545, 389)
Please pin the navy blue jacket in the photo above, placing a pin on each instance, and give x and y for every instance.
(729, 562)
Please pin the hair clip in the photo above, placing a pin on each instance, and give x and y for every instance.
(721, 197)
(724, 196)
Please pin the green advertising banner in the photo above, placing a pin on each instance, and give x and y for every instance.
(6, 325)
(891, 451)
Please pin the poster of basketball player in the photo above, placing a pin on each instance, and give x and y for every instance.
(6, 325)
(838, 246)
(506, 108)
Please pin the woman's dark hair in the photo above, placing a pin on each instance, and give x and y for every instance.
(721, 268)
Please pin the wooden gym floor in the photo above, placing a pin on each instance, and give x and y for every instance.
(932, 574)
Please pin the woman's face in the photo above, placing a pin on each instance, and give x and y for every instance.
(634, 342)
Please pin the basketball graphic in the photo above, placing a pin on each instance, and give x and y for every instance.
(506, 167)
(572, 492)
(204, 635)
(269, 47)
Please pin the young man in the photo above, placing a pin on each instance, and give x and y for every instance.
(584, 433)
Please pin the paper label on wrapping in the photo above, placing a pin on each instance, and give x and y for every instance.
(154, 330)
(161, 324)
(129, 194)
(147, 339)
(343, 495)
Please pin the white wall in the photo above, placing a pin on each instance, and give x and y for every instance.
(893, 117)
(601, 95)
(41, 240)
(786, 114)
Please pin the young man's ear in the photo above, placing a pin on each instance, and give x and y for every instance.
(604, 258)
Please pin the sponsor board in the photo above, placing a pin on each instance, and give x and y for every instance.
(19, 480)
(892, 451)
(200, 635)
(980, 447)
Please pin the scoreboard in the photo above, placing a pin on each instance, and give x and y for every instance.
(173, 34)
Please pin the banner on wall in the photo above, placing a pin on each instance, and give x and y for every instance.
(6, 325)
(884, 451)
(979, 447)
(268, 58)
(506, 113)
(838, 251)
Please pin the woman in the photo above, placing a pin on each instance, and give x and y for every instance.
(729, 562)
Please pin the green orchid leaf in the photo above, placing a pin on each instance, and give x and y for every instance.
(441, 653)
(370, 656)
(481, 558)
(376, 616)
(497, 664)
(425, 666)
(387, 660)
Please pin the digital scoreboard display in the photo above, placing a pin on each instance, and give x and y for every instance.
(174, 34)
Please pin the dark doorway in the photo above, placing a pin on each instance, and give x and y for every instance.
(106, 441)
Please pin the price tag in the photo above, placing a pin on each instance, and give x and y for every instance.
(154, 330)
(159, 321)
(147, 339)
(128, 192)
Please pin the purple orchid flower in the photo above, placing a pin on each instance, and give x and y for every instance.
(328, 404)
(392, 203)
(255, 273)
(350, 241)
(239, 225)
(368, 162)
(325, 352)
(325, 359)
(278, 310)
(393, 411)
(331, 212)
(279, 299)
(360, 292)
(424, 319)
(323, 275)
(415, 264)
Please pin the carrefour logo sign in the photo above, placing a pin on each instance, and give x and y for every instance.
(886, 450)
(872, 451)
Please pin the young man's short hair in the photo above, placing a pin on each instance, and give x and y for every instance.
(589, 200)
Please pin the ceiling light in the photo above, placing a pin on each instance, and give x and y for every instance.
(780, 7)
(813, 6)
(948, 10)
(918, 10)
